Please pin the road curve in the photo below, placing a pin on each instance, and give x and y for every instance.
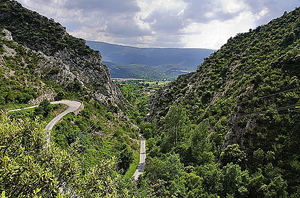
(141, 167)
(72, 107)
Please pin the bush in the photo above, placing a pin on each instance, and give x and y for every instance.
(44, 109)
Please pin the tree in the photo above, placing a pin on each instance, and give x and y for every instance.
(26, 166)
(233, 181)
(175, 124)
(43, 109)
(193, 184)
(200, 144)
(126, 157)
(276, 188)
(232, 153)
(146, 129)
(211, 176)
(169, 173)
(29, 169)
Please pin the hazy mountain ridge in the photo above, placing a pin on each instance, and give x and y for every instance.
(151, 62)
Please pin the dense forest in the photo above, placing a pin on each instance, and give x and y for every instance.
(230, 129)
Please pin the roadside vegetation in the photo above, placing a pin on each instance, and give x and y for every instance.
(30, 170)
(45, 112)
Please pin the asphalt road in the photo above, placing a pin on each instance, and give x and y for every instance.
(141, 167)
(23, 108)
(73, 106)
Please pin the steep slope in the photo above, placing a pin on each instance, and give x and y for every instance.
(149, 62)
(247, 94)
(90, 151)
(67, 59)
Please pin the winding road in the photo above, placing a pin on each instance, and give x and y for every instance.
(73, 106)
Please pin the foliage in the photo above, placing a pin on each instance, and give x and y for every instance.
(126, 158)
(166, 176)
(232, 153)
(237, 117)
(30, 169)
(133, 166)
(43, 109)
(233, 181)
(201, 146)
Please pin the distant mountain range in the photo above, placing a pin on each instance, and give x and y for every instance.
(149, 63)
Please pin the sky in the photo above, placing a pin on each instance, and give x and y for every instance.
(161, 23)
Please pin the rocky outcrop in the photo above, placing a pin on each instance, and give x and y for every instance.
(63, 58)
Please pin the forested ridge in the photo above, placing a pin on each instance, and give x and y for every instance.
(231, 129)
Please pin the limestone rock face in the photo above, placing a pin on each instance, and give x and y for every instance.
(7, 35)
(63, 58)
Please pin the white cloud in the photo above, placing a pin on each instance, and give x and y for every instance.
(209, 14)
(214, 34)
(233, 6)
(160, 23)
(148, 7)
(263, 12)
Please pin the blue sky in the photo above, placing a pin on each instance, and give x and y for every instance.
(161, 23)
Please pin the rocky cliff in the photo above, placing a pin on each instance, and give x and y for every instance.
(62, 58)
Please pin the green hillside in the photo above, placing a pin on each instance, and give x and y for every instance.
(90, 151)
(231, 129)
